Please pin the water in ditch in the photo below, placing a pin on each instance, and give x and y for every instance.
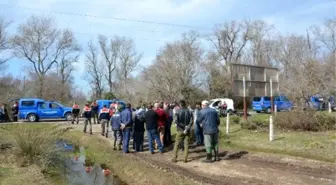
(77, 173)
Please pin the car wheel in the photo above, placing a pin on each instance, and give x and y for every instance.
(32, 118)
(269, 110)
(68, 116)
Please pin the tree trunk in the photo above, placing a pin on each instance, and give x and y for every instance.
(41, 81)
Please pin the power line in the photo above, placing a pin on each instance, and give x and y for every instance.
(104, 17)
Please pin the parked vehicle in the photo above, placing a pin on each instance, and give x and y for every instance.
(320, 103)
(214, 103)
(101, 103)
(263, 103)
(34, 109)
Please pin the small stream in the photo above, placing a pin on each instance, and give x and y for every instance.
(77, 173)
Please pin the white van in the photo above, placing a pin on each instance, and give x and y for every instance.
(215, 102)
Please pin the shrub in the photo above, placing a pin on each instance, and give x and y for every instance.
(305, 121)
(35, 145)
(260, 121)
(235, 119)
(247, 124)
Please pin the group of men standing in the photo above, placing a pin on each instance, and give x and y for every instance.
(157, 119)
(5, 116)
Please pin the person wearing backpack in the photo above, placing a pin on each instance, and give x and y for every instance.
(184, 122)
(139, 129)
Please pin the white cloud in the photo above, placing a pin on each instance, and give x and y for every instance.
(302, 17)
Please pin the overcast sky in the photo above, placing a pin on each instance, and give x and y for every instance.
(130, 18)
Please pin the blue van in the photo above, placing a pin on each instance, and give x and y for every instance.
(34, 109)
(263, 103)
(101, 103)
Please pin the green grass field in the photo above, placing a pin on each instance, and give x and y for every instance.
(313, 145)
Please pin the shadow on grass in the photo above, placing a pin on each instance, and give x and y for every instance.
(279, 138)
(235, 131)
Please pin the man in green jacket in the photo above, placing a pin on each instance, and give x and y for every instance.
(184, 121)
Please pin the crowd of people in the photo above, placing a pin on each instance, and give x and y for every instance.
(6, 116)
(156, 119)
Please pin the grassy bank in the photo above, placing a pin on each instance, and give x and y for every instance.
(312, 145)
(28, 155)
(125, 167)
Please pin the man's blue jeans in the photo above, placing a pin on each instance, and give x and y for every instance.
(126, 139)
(153, 134)
(199, 135)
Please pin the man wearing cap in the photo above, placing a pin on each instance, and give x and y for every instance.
(208, 119)
(184, 122)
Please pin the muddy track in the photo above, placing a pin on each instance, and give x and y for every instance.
(199, 177)
(317, 172)
(241, 167)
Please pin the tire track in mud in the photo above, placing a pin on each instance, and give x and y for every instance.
(301, 170)
(198, 177)
(325, 172)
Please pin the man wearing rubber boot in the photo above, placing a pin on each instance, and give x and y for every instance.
(87, 114)
(116, 128)
(184, 122)
(104, 117)
(209, 121)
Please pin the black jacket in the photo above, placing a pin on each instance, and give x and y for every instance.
(151, 118)
(184, 118)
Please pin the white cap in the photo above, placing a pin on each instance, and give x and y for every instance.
(156, 105)
(205, 102)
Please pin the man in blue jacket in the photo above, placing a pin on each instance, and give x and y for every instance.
(116, 128)
(126, 126)
(209, 121)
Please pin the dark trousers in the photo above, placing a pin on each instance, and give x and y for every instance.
(75, 117)
(138, 141)
(118, 138)
(153, 134)
(15, 117)
(199, 135)
(86, 122)
(2, 116)
(167, 135)
(95, 117)
(126, 139)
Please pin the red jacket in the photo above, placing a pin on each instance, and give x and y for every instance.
(162, 117)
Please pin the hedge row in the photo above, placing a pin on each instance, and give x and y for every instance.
(296, 121)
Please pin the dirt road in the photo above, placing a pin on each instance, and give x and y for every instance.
(240, 167)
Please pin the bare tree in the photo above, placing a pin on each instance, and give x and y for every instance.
(261, 43)
(41, 43)
(94, 70)
(230, 40)
(65, 66)
(326, 35)
(4, 42)
(111, 53)
(176, 71)
(128, 62)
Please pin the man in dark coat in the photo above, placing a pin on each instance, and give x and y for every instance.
(209, 120)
